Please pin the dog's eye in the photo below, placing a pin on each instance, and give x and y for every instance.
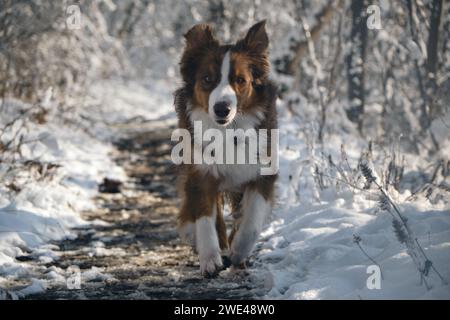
(207, 79)
(240, 80)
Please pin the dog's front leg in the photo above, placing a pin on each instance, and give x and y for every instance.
(255, 209)
(207, 244)
(199, 214)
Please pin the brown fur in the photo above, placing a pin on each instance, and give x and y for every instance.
(202, 56)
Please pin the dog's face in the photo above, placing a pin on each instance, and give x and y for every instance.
(224, 79)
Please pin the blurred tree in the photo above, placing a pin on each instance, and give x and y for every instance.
(355, 63)
(434, 36)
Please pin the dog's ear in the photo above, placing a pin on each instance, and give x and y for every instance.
(256, 39)
(200, 36)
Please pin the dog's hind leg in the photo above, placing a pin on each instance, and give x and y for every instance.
(221, 227)
(222, 234)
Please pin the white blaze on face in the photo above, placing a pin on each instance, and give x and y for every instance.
(223, 92)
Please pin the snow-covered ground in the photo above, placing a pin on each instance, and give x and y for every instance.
(309, 249)
(61, 164)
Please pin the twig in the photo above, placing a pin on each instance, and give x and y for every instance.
(357, 240)
(430, 263)
(410, 244)
(343, 181)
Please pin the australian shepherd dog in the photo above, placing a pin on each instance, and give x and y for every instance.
(225, 87)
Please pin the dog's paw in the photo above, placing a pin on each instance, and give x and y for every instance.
(210, 264)
(242, 246)
(237, 258)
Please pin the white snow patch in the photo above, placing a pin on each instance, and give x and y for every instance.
(308, 250)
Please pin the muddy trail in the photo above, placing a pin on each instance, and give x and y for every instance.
(132, 249)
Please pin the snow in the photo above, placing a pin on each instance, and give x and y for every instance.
(308, 250)
(120, 101)
(45, 209)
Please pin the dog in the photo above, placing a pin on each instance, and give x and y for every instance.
(225, 87)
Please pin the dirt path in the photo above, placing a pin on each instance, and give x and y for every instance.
(137, 254)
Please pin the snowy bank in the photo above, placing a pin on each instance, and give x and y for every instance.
(45, 188)
(309, 249)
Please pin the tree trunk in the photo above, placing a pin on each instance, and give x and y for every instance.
(432, 57)
(355, 63)
(433, 38)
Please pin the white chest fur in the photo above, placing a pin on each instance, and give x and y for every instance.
(233, 174)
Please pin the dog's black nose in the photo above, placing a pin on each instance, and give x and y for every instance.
(222, 109)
